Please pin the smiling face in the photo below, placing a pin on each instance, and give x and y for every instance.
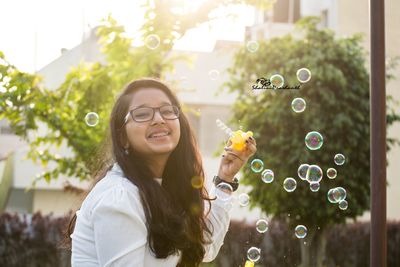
(158, 136)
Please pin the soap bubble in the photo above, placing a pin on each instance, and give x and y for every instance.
(244, 199)
(339, 194)
(302, 171)
(314, 186)
(254, 254)
(314, 174)
(343, 205)
(152, 41)
(303, 75)
(252, 46)
(223, 187)
(330, 195)
(257, 165)
(277, 80)
(213, 74)
(339, 159)
(331, 173)
(336, 194)
(298, 105)
(314, 140)
(289, 184)
(267, 176)
(300, 231)
(197, 182)
(262, 226)
(92, 119)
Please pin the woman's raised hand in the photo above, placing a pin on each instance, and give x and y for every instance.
(233, 160)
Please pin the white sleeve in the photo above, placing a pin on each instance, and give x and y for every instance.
(120, 231)
(220, 218)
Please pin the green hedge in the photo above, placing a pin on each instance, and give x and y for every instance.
(34, 240)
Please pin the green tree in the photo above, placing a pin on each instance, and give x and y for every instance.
(337, 98)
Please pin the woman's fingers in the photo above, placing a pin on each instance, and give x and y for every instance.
(228, 148)
(251, 148)
(231, 156)
(228, 143)
(251, 140)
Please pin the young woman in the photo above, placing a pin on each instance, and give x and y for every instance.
(148, 208)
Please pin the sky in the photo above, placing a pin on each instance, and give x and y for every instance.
(33, 32)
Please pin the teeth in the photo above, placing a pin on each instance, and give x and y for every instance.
(159, 135)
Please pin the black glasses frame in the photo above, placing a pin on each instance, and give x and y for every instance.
(154, 112)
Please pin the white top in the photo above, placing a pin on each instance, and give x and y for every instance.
(110, 228)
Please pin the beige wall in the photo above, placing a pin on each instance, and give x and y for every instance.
(55, 201)
(353, 17)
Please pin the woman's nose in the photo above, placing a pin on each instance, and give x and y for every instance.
(158, 117)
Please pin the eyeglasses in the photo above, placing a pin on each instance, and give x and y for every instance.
(143, 114)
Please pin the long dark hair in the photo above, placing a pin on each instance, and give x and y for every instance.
(174, 211)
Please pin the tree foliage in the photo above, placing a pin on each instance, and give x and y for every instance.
(337, 98)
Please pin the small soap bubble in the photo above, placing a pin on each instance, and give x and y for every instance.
(331, 173)
(267, 176)
(339, 194)
(289, 184)
(300, 231)
(229, 131)
(197, 182)
(223, 187)
(343, 205)
(277, 80)
(314, 140)
(152, 41)
(254, 254)
(252, 46)
(314, 174)
(298, 105)
(257, 165)
(339, 159)
(303, 75)
(302, 171)
(213, 74)
(330, 195)
(262, 226)
(223, 127)
(92, 119)
(314, 186)
(219, 122)
(244, 199)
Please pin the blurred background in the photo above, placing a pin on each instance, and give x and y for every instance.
(62, 63)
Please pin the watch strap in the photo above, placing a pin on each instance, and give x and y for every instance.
(235, 183)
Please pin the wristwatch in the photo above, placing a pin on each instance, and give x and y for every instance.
(235, 183)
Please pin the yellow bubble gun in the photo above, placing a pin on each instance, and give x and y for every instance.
(238, 139)
(249, 264)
